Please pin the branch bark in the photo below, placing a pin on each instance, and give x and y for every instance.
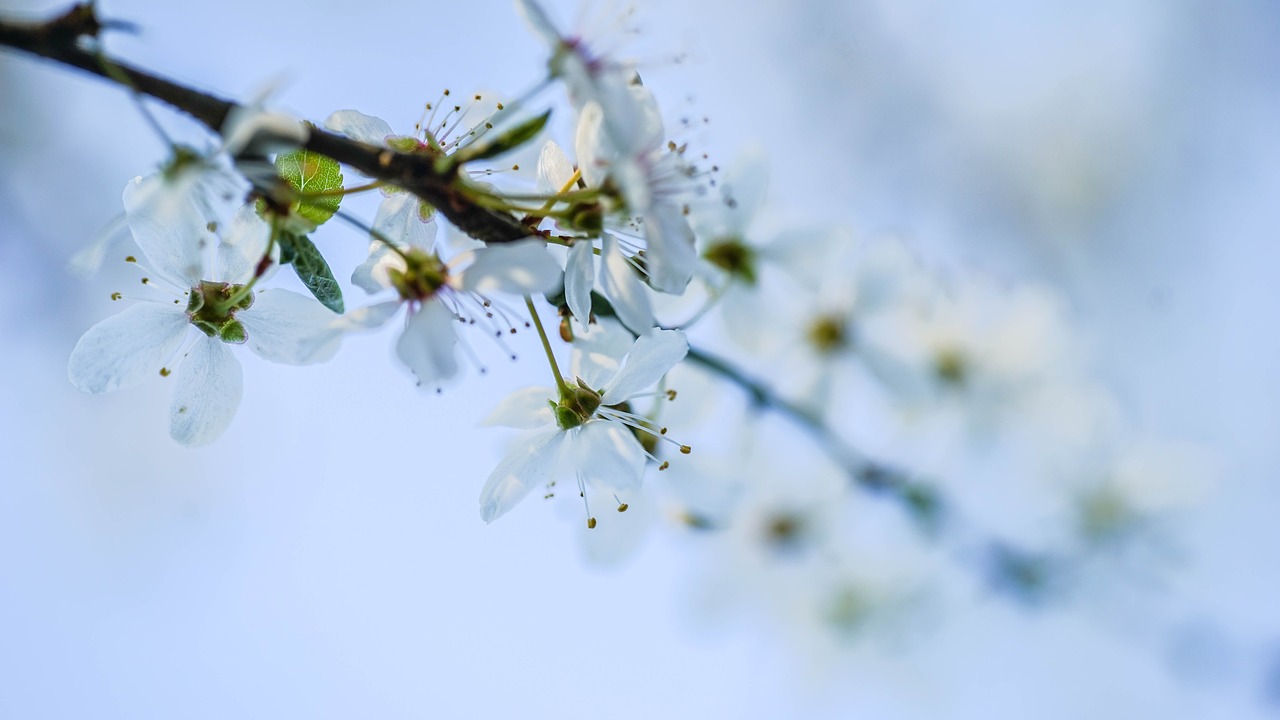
(66, 39)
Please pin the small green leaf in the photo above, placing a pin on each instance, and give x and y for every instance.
(507, 140)
(309, 173)
(312, 269)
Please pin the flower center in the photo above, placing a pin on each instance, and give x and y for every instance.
(423, 274)
(784, 531)
(829, 334)
(734, 257)
(577, 405)
(951, 367)
(212, 307)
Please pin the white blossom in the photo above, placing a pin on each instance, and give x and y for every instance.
(439, 294)
(617, 278)
(584, 423)
(277, 325)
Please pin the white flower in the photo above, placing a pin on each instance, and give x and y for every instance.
(583, 422)
(617, 279)
(975, 347)
(439, 294)
(402, 216)
(189, 182)
(651, 180)
(277, 325)
(589, 75)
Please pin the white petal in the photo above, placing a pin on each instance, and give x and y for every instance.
(89, 259)
(210, 384)
(526, 409)
(607, 453)
(598, 353)
(537, 18)
(290, 328)
(371, 275)
(554, 168)
(523, 268)
(401, 219)
(627, 294)
(358, 126)
(523, 469)
(671, 256)
(169, 229)
(124, 349)
(631, 115)
(578, 279)
(426, 345)
(369, 317)
(650, 358)
(593, 156)
(250, 130)
(243, 245)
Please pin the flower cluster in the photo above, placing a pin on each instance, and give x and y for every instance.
(897, 380)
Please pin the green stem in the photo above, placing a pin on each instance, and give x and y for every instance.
(546, 345)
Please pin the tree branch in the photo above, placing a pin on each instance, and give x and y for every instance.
(63, 39)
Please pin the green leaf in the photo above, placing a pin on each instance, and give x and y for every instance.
(309, 172)
(507, 140)
(312, 269)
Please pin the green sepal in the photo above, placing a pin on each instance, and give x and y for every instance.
(506, 141)
(309, 172)
(312, 269)
(233, 332)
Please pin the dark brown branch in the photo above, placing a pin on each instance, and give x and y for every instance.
(61, 39)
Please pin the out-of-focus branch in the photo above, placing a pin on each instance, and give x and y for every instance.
(70, 37)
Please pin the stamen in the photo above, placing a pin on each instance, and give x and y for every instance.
(582, 493)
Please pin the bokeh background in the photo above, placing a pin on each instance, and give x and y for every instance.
(325, 558)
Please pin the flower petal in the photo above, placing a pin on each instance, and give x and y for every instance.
(124, 349)
(426, 345)
(290, 328)
(537, 19)
(671, 255)
(243, 245)
(358, 126)
(650, 358)
(525, 409)
(523, 469)
(579, 272)
(169, 229)
(607, 453)
(619, 283)
(554, 168)
(598, 353)
(401, 219)
(371, 275)
(523, 268)
(589, 145)
(368, 317)
(251, 130)
(210, 384)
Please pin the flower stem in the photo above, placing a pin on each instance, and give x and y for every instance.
(546, 344)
